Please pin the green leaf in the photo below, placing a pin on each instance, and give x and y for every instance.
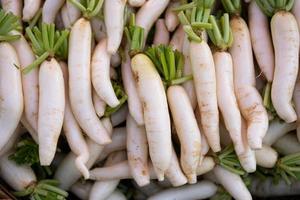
(26, 153)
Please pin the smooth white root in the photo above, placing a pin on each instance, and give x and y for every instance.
(296, 100)
(276, 130)
(99, 104)
(267, 188)
(295, 11)
(188, 85)
(29, 81)
(50, 10)
(134, 103)
(171, 18)
(206, 165)
(82, 190)
(13, 6)
(103, 189)
(80, 82)
(120, 116)
(187, 131)
(29, 128)
(11, 95)
(204, 77)
(285, 35)
(156, 114)
(177, 39)
(30, 9)
(13, 139)
(204, 144)
(115, 61)
(100, 74)
(200, 190)
(19, 177)
(73, 132)
(261, 40)
(98, 27)
(161, 35)
(287, 144)
(114, 23)
(233, 183)
(116, 195)
(249, 100)
(69, 14)
(67, 173)
(51, 109)
(136, 3)
(226, 99)
(266, 157)
(118, 143)
(149, 13)
(137, 151)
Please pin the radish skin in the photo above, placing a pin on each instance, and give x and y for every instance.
(149, 13)
(206, 91)
(99, 104)
(136, 3)
(73, 132)
(266, 157)
(81, 190)
(50, 10)
(296, 99)
(31, 131)
(120, 116)
(161, 35)
(177, 39)
(30, 81)
(13, 6)
(261, 40)
(249, 100)
(137, 151)
(13, 139)
(226, 98)
(295, 11)
(187, 131)
(207, 165)
(51, 109)
(67, 173)
(200, 190)
(30, 9)
(171, 18)
(98, 27)
(80, 82)
(100, 74)
(156, 115)
(19, 177)
(287, 145)
(233, 183)
(134, 103)
(285, 35)
(69, 14)
(114, 23)
(12, 95)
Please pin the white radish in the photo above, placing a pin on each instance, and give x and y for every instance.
(30, 9)
(201, 190)
(80, 82)
(207, 165)
(171, 18)
(149, 13)
(50, 10)
(233, 183)
(261, 40)
(73, 132)
(100, 74)
(19, 177)
(13, 6)
(81, 190)
(204, 77)
(120, 116)
(30, 81)
(11, 95)
(249, 100)
(137, 151)
(276, 130)
(226, 99)
(136, 3)
(134, 103)
(296, 99)
(115, 61)
(161, 35)
(51, 109)
(69, 14)
(67, 173)
(285, 35)
(187, 130)
(177, 39)
(33, 133)
(99, 104)
(13, 139)
(287, 144)
(114, 23)
(266, 157)
(103, 189)
(295, 11)
(98, 27)
(156, 115)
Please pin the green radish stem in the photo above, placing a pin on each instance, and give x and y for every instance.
(270, 7)
(47, 42)
(89, 8)
(233, 7)
(8, 23)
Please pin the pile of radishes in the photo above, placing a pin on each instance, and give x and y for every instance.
(150, 99)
